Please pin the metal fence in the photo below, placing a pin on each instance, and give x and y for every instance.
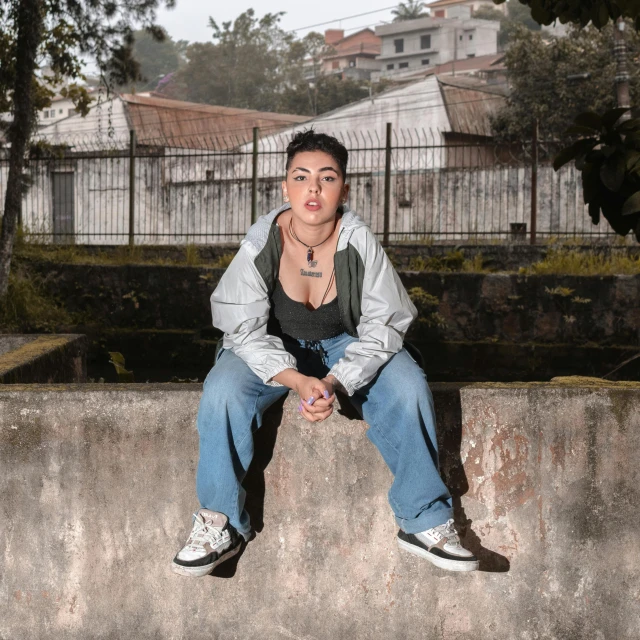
(408, 186)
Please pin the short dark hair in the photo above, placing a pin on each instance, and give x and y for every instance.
(311, 141)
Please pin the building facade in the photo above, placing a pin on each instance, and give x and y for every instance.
(353, 56)
(413, 44)
(451, 8)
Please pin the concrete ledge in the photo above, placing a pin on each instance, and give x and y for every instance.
(43, 358)
(98, 486)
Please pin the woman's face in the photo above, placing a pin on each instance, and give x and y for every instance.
(314, 186)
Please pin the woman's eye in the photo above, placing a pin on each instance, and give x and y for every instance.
(299, 178)
(329, 178)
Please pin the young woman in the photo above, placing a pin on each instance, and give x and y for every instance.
(311, 303)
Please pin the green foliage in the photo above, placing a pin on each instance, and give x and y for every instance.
(538, 74)
(74, 30)
(117, 360)
(609, 159)
(157, 58)
(573, 262)
(252, 63)
(427, 307)
(517, 16)
(27, 306)
(411, 10)
(453, 260)
(581, 12)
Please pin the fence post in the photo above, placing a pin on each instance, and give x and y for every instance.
(534, 180)
(132, 186)
(254, 178)
(387, 187)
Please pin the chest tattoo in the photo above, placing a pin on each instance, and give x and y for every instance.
(311, 274)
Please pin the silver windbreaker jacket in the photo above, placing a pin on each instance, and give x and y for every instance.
(374, 305)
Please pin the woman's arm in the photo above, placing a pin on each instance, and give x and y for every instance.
(240, 308)
(386, 314)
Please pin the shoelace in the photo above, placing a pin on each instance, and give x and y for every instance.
(202, 532)
(448, 531)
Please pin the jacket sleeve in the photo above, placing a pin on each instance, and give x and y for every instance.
(387, 312)
(240, 308)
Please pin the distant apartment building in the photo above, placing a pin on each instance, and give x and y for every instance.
(413, 44)
(450, 8)
(60, 108)
(353, 56)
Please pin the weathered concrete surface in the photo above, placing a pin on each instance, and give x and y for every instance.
(43, 358)
(97, 487)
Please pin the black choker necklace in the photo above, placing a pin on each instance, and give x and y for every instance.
(310, 261)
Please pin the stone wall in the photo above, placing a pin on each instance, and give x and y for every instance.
(475, 306)
(42, 358)
(98, 487)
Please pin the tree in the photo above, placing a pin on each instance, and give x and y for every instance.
(411, 10)
(581, 12)
(157, 58)
(517, 15)
(253, 64)
(243, 66)
(540, 74)
(60, 33)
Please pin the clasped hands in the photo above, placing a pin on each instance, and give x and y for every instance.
(316, 397)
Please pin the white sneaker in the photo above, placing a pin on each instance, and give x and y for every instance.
(212, 541)
(441, 546)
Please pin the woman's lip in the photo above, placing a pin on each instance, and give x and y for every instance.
(313, 207)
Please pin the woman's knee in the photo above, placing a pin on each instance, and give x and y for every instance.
(230, 383)
(402, 380)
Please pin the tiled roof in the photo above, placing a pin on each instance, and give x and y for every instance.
(189, 124)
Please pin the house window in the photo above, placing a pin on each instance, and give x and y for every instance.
(334, 64)
(389, 67)
(471, 55)
(352, 63)
(471, 36)
(460, 38)
(60, 111)
(425, 62)
(399, 45)
(72, 112)
(439, 13)
(403, 65)
(45, 113)
(425, 42)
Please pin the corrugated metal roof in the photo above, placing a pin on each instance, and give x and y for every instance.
(470, 104)
(193, 125)
(466, 65)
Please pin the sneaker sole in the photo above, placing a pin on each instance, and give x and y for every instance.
(204, 570)
(443, 563)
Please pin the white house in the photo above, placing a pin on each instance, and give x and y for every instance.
(414, 44)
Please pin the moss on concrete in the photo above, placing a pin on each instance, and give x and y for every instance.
(576, 382)
(29, 351)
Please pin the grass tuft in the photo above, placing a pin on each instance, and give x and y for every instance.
(573, 262)
(27, 307)
(452, 260)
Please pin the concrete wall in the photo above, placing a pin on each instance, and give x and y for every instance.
(42, 358)
(199, 200)
(475, 306)
(98, 486)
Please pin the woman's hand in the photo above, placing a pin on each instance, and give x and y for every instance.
(316, 398)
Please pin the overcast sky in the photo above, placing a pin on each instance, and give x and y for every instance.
(189, 20)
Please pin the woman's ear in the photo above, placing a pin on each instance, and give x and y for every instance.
(345, 193)
(285, 195)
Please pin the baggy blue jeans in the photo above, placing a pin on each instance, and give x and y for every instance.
(397, 405)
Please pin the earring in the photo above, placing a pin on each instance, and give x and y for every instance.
(286, 198)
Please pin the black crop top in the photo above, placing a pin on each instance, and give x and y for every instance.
(293, 319)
